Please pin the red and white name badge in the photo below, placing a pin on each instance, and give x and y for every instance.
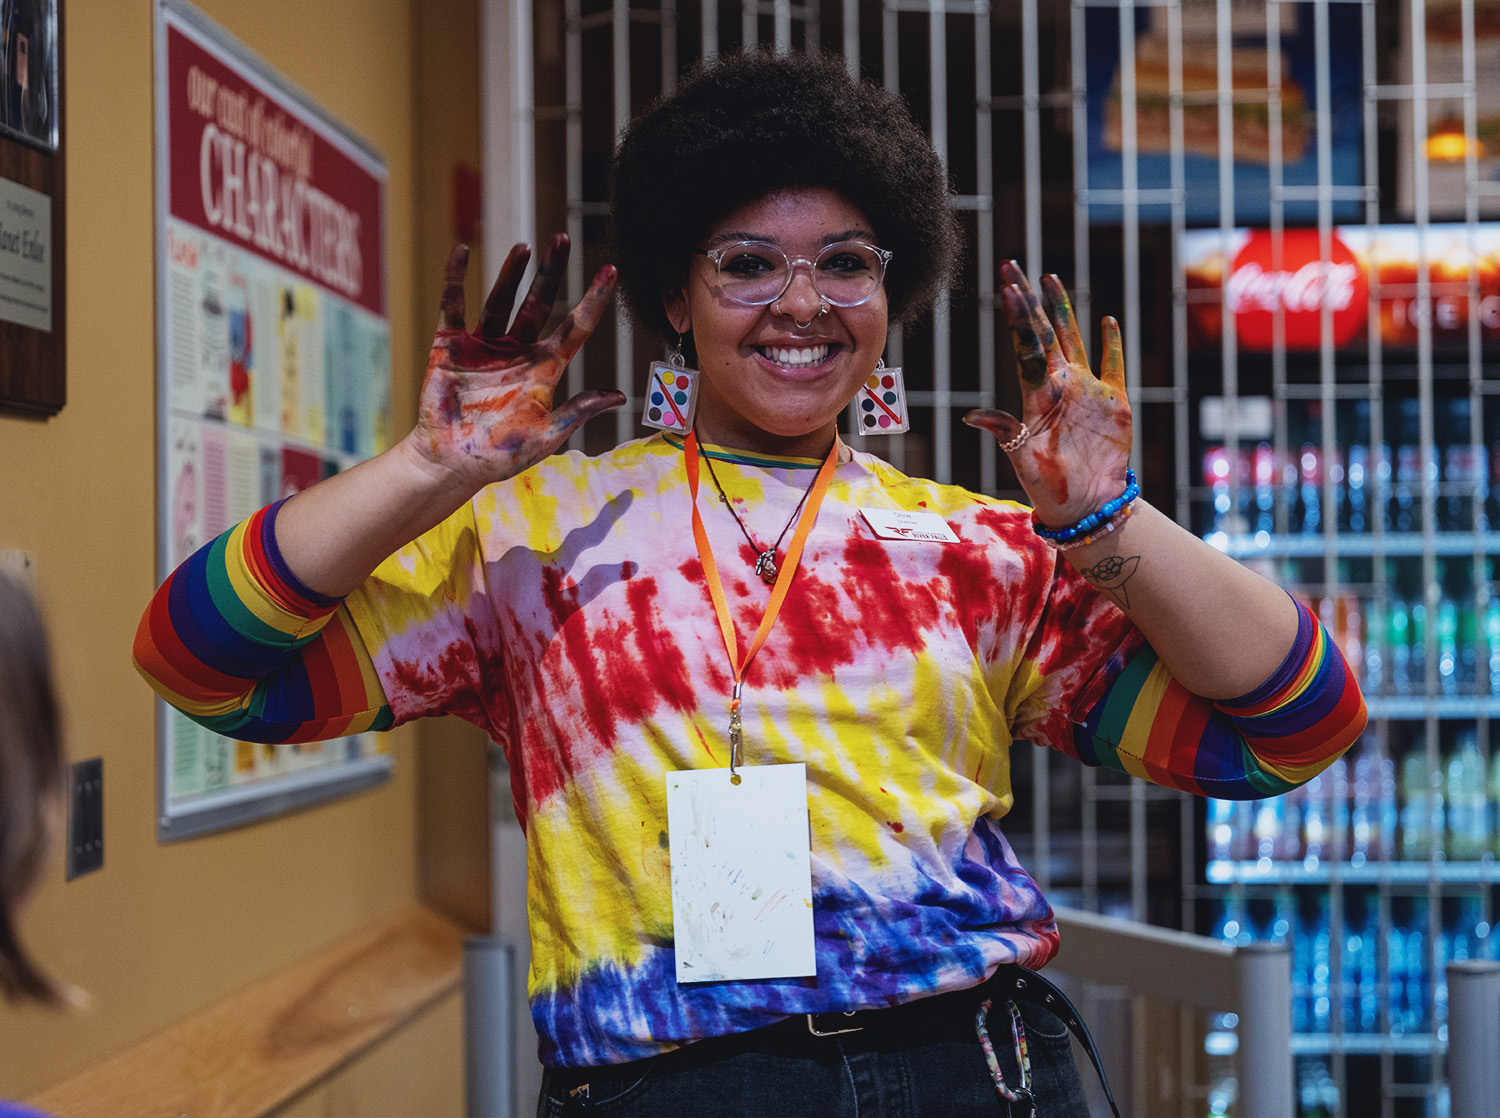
(916, 527)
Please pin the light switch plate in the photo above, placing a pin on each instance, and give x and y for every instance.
(85, 817)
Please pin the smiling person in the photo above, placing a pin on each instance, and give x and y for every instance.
(759, 691)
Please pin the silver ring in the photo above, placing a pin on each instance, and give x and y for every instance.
(1016, 443)
(822, 310)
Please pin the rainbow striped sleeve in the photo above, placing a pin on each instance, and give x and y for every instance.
(236, 642)
(1265, 743)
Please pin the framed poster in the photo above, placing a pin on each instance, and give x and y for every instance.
(1257, 51)
(28, 107)
(273, 361)
(33, 369)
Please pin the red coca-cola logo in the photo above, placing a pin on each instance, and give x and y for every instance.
(1300, 284)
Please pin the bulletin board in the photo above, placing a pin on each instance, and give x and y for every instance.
(273, 361)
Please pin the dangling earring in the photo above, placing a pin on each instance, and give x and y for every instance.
(880, 403)
(671, 394)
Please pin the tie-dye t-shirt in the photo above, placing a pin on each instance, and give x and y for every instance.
(565, 611)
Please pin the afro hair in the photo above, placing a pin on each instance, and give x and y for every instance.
(748, 125)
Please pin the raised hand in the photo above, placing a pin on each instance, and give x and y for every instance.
(486, 410)
(1078, 443)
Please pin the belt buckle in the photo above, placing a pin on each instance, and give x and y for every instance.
(832, 1032)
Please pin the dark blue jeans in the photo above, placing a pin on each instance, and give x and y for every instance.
(784, 1070)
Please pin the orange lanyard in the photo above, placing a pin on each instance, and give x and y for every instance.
(778, 591)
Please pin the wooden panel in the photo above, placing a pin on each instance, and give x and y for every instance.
(255, 1051)
(417, 1072)
(33, 365)
(453, 840)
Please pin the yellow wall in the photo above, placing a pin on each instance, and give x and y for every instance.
(163, 931)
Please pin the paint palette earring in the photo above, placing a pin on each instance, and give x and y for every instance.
(671, 395)
(880, 403)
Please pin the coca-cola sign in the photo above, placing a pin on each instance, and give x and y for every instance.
(1431, 283)
(1299, 282)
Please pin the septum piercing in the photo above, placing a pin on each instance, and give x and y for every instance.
(822, 310)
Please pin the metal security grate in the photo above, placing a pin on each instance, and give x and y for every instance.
(1308, 288)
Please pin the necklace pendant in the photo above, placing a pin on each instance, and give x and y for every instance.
(765, 567)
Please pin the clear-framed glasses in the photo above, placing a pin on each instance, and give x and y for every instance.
(754, 273)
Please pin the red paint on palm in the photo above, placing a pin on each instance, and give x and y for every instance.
(486, 411)
(1079, 424)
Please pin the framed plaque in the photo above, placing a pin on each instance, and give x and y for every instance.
(33, 377)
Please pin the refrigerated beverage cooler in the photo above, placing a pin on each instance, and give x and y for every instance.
(1362, 472)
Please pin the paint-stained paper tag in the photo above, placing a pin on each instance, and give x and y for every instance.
(741, 873)
(899, 524)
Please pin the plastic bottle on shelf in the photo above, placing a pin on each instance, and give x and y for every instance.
(1268, 827)
(1396, 947)
(1354, 509)
(1387, 810)
(1216, 474)
(1377, 647)
(1283, 918)
(1227, 926)
(1359, 1004)
(1467, 823)
(1369, 976)
(1416, 638)
(1468, 647)
(1404, 509)
(1462, 469)
(1421, 806)
(1342, 615)
(1411, 978)
(1445, 634)
(1336, 841)
(1363, 824)
(1322, 970)
(1289, 844)
(1242, 831)
(1264, 473)
(1315, 818)
(1379, 483)
(1492, 641)
(1399, 644)
(1493, 805)
(1492, 491)
(1468, 935)
(1220, 826)
(1317, 1093)
(1309, 519)
(1302, 982)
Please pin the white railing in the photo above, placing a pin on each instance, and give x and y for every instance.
(1474, 1037)
(1254, 981)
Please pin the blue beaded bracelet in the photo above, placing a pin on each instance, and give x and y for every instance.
(1094, 520)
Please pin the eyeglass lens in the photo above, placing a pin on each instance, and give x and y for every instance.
(756, 273)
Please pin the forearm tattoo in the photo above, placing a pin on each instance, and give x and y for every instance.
(1111, 574)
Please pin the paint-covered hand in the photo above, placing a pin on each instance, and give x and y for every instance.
(486, 411)
(1078, 446)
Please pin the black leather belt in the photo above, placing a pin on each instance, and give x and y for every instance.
(1009, 983)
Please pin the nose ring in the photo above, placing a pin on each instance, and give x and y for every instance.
(822, 310)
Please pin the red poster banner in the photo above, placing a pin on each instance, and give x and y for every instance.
(257, 169)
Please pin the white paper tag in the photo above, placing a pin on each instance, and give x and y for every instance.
(741, 873)
(899, 524)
